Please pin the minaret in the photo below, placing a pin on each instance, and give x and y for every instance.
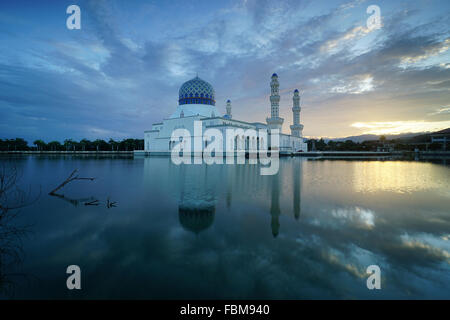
(229, 109)
(274, 122)
(296, 128)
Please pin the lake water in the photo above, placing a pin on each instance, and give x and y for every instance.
(225, 231)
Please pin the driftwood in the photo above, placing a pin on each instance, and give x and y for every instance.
(91, 203)
(74, 202)
(110, 204)
(71, 178)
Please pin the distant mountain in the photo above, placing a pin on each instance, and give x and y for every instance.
(422, 138)
(371, 137)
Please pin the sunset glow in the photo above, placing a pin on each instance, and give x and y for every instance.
(397, 127)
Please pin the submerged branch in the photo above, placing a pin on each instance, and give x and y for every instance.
(91, 203)
(71, 178)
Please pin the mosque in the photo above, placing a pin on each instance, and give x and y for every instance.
(197, 102)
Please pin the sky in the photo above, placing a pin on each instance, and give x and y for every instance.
(122, 70)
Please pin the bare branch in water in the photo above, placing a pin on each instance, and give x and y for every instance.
(71, 178)
(11, 199)
(91, 203)
(11, 196)
(110, 204)
(72, 201)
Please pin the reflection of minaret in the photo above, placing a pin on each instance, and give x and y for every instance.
(275, 206)
(297, 190)
(228, 198)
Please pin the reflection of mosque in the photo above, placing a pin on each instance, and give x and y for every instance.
(199, 186)
(196, 219)
(197, 200)
(197, 204)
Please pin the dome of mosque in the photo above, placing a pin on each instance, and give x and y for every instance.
(196, 91)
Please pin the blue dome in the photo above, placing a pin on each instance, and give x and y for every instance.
(196, 91)
(275, 75)
(296, 90)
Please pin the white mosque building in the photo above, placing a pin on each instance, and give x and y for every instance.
(197, 103)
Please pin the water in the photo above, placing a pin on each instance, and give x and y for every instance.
(208, 232)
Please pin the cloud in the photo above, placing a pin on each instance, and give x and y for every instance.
(426, 52)
(352, 34)
(363, 83)
(396, 127)
(130, 72)
(441, 110)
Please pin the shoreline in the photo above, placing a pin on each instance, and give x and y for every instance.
(282, 154)
(65, 152)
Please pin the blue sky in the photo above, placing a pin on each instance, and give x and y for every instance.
(122, 70)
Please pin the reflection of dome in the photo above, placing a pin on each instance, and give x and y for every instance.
(196, 91)
(196, 219)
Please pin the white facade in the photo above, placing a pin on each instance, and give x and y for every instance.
(196, 103)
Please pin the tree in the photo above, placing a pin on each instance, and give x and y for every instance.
(54, 145)
(68, 144)
(114, 144)
(84, 143)
(321, 145)
(100, 145)
(40, 145)
(17, 144)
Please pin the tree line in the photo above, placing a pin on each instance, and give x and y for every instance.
(382, 144)
(20, 144)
